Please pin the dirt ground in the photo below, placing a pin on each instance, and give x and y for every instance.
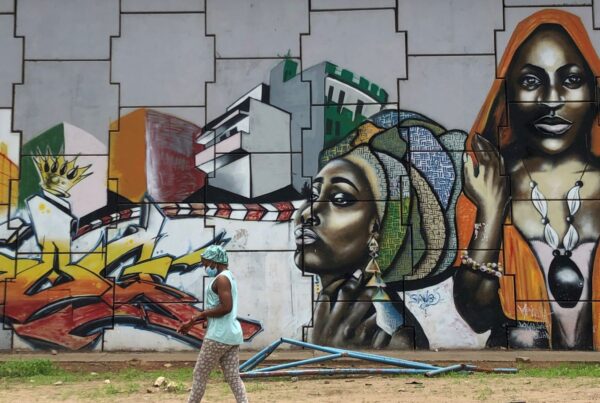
(474, 388)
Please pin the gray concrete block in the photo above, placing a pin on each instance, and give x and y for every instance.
(11, 52)
(375, 51)
(341, 4)
(7, 6)
(67, 29)
(162, 5)
(233, 79)
(76, 92)
(269, 28)
(453, 103)
(453, 26)
(163, 60)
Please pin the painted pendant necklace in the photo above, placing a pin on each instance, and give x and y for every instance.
(564, 277)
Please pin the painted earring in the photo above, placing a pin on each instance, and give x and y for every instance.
(373, 268)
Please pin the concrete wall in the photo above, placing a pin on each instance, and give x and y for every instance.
(104, 211)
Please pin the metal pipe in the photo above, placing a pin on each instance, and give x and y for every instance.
(491, 370)
(260, 356)
(363, 356)
(409, 367)
(333, 371)
(301, 362)
(451, 368)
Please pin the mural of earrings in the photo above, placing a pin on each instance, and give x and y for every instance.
(373, 267)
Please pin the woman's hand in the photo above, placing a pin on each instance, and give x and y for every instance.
(187, 326)
(485, 184)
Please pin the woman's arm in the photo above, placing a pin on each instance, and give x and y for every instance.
(224, 291)
(476, 293)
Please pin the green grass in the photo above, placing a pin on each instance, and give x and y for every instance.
(485, 393)
(563, 371)
(45, 372)
(127, 388)
(127, 381)
(26, 368)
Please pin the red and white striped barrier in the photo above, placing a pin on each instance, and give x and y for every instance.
(276, 212)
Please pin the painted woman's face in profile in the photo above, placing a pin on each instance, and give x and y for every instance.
(333, 227)
(550, 92)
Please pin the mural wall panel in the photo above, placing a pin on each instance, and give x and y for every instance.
(378, 181)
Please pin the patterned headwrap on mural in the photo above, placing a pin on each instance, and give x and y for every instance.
(411, 164)
(378, 152)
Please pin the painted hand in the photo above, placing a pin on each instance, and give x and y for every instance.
(344, 315)
(485, 184)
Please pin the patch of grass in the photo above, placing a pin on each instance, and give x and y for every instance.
(180, 388)
(255, 386)
(563, 371)
(111, 390)
(484, 393)
(127, 389)
(27, 368)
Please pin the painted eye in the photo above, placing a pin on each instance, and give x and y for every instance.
(342, 199)
(530, 82)
(314, 194)
(573, 81)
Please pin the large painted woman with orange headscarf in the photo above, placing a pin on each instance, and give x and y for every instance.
(531, 271)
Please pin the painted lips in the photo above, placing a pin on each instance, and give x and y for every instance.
(305, 236)
(552, 125)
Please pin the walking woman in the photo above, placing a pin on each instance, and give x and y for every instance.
(224, 334)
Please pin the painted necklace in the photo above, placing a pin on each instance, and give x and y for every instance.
(564, 277)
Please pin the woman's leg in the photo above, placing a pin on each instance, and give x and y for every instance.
(207, 359)
(230, 364)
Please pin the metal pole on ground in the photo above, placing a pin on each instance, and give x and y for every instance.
(308, 361)
(364, 356)
(334, 371)
(260, 356)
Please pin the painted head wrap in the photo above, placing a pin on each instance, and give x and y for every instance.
(378, 153)
(416, 190)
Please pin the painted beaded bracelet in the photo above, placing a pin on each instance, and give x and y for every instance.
(493, 269)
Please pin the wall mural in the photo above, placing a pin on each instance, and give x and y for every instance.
(413, 235)
(541, 114)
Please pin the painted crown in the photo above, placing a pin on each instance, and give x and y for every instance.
(58, 174)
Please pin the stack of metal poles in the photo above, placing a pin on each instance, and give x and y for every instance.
(248, 368)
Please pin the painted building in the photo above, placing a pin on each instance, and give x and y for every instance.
(326, 103)
(252, 139)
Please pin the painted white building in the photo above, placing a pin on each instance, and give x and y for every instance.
(248, 148)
